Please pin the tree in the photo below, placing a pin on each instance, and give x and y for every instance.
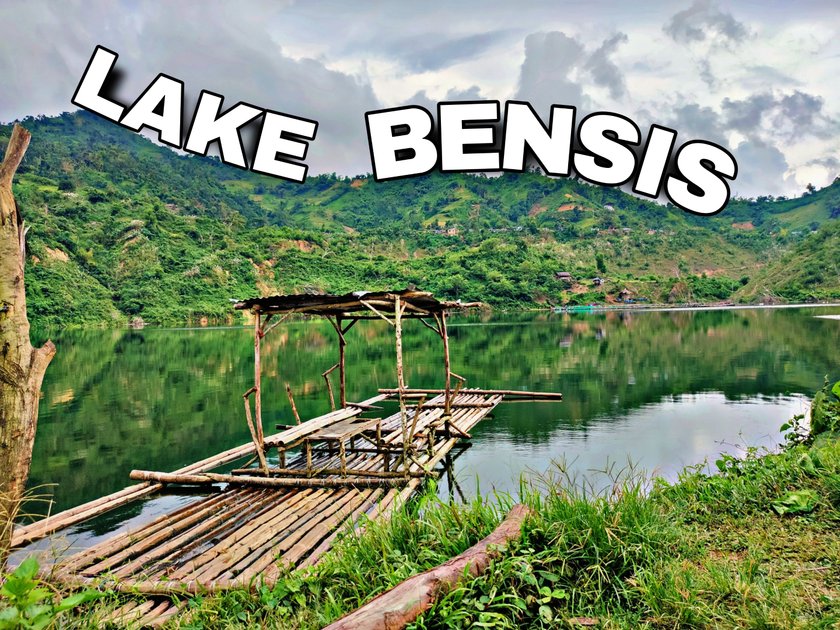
(601, 263)
(22, 367)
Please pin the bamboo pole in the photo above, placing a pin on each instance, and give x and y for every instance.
(401, 377)
(258, 379)
(358, 472)
(315, 523)
(416, 416)
(266, 525)
(342, 376)
(268, 482)
(258, 444)
(265, 331)
(447, 409)
(148, 538)
(111, 548)
(349, 525)
(480, 392)
(373, 308)
(292, 403)
(39, 529)
(326, 375)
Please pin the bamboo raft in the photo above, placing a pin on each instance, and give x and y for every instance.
(244, 532)
(333, 472)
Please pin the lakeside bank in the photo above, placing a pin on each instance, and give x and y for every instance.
(755, 545)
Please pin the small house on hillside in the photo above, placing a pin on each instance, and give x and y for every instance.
(565, 276)
(597, 281)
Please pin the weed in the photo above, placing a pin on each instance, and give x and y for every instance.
(29, 604)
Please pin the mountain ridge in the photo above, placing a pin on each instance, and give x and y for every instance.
(123, 228)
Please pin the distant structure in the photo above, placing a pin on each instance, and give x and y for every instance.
(565, 276)
(597, 281)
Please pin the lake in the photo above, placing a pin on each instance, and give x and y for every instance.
(659, 389)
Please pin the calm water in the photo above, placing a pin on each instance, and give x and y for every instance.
(660, 389)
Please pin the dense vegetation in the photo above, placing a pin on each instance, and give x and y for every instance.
(122, 228)
(810, 270)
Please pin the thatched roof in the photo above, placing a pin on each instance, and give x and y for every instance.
(417, 303)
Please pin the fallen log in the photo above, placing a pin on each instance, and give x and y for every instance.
(396, 608)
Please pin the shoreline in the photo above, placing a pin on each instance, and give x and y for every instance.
(693, 307)
(582, 309)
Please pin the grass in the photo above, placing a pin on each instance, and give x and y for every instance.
(708, 551)
(755, 545)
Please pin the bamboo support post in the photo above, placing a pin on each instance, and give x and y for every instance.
(447, 412)
(292, 403)
(398, 311)
(342, 343)
(342, 375)
(417, 411)
(258, 334)
(326, 375)
(259, 444)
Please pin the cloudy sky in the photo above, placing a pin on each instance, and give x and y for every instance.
(761, 78)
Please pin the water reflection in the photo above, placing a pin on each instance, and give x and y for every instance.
(658, 387)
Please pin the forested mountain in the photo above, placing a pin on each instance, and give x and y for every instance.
(123, 228)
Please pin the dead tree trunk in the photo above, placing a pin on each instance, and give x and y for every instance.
(22, 367)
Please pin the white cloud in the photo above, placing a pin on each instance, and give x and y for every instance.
(761, 77)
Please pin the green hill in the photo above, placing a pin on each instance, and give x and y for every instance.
(809, 271)
(122, 228)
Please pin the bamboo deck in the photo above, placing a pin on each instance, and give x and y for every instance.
(245, 535)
